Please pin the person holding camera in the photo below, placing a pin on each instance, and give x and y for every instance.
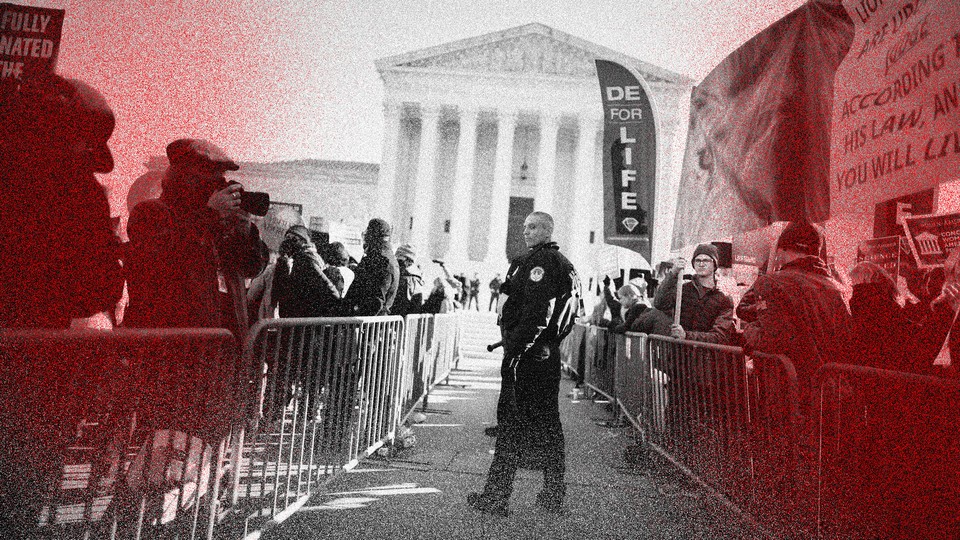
(191, 249)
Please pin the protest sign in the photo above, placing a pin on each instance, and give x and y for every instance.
(890, 253)
(629, 158)
(280, 217)
(29, 43)
(896, 103)
(351, 236)
(932, 238)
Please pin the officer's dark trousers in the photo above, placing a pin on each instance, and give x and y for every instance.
(508, 378)
(530, 430)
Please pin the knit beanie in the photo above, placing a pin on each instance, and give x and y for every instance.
(378, 228)
(709, 250)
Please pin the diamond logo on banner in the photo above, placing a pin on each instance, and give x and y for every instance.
(630, 223)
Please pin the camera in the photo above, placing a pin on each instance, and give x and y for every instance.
(256, 203)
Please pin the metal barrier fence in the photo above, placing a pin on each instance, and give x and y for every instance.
(115, 434)
(329, 393)
(880, 457)
(173, 434)
(728, 419)
(889, 462)
(599, 361)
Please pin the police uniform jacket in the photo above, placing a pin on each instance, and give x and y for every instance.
(542, 291)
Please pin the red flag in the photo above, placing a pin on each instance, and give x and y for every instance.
(758, 149)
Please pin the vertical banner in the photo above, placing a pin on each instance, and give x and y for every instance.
(29, 43)
(897, 102)
(629, 159)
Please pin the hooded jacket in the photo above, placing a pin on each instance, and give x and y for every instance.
(409, 298)
(374, 285)
(302, 287)
(799, 312)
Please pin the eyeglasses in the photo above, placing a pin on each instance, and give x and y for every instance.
(702, 261)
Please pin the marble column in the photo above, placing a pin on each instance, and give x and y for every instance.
(500, 194)
(587, 183)
(387, 180)
(547, 163)
(463, 187)
(423, 194)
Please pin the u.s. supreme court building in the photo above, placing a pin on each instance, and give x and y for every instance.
(482, 131)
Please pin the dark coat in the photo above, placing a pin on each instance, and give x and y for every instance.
(799, 312)
(302, 288)
(409, 298)
(543, 295)
(652, 321)
(375, 284)
(706, 315)
(60, 258)
(173, 262)
(884, 336)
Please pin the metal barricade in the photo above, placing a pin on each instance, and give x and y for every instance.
(329, 393)
(417, 370)
(573, 350)
(630, 384)
(445, 345)
(730, 420)
(600, 361)
(115, 434)
(889, 454)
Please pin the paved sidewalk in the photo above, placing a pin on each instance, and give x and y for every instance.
(421, 493)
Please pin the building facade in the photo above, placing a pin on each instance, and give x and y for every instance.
(479, 132)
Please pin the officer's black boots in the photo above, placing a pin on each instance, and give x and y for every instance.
(550, 503)
(487, 505)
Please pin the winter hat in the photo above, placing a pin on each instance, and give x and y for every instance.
(406, 252)
(709, 250)
(378, 228)
(301, 231)
(801, 237)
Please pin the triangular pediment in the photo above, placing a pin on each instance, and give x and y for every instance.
(533, 49)
(532, 53)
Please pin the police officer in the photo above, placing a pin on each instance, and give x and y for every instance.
(543, 300)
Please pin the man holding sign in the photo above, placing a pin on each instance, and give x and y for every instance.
(703, 313)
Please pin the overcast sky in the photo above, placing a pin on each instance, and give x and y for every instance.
(292, 79)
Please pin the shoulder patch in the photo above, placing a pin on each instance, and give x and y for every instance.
(536, 274)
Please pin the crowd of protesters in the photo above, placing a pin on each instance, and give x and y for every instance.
(799, 310)
(195, 258)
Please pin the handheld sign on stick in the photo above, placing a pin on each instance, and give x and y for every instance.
(676, 312)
